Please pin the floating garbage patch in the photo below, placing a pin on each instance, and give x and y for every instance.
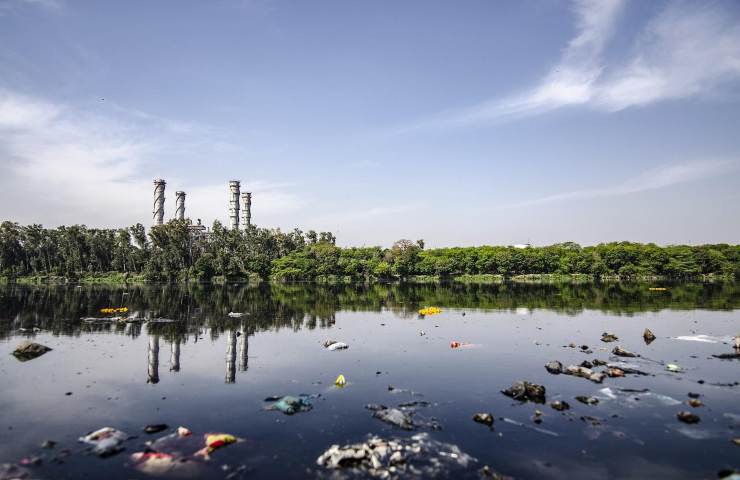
(417, 456)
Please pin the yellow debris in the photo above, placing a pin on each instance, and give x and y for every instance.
(114, 310)
(340, 381)
(430, 311)
(657, 289)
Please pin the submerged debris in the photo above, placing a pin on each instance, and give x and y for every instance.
(487, 472)
(524, 391)
(687, 417)
(289, 404)
(728, 356)
(648, 336)
(621, 352)
(156, 428)
(335, 345)
(394, 416)
(484, 418)
(105, 441)
(29, 350)
(695, 402)
(607, 337)
(418, 456)
(554, 367)
(8, 471)
(560, 405)
(584, 372)
(164, 464)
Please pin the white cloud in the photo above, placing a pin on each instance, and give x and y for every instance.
(63, 165)
(688, 49)
(660, 177)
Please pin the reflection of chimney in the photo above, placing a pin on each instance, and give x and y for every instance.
(231, 357)
(234, 187)
(153, 358)
(247, 210)
(175, 357)
(179, 205)
(243, 350)
(158, 213)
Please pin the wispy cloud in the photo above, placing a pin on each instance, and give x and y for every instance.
(660, 177)
(48, 5)
(688, 49)
(60, 164)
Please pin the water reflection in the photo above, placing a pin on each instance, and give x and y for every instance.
(271, 307)
(153, 359)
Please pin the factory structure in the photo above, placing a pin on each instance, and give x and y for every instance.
(240, 206)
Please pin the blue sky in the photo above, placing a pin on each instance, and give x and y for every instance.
(462, 123)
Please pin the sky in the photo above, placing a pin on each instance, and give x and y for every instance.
(462, 123)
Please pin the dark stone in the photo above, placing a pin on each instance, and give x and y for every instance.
(560, 405)
(29, 350)
(687, 417)
(587, 400)
(621, 352)
(484, 418)
(525, 391)
(554, 367)
(156, 428)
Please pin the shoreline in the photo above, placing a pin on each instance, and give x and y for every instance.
(118, 278)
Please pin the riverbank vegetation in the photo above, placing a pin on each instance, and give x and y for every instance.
(176, 252)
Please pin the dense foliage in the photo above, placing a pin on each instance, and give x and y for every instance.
(175, 251)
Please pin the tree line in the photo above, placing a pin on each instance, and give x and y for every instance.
(176, 252)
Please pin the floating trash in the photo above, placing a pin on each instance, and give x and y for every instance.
(105, 441)
(340, 381)
(418, 456)
(332, 345)
(430, 311)
(289, 404)
(114, 310)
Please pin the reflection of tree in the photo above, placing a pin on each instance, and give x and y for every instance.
(198, 307)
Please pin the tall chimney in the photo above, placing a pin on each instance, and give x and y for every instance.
(234, 204)
(180, 205)
(247, 209)
(158, 213)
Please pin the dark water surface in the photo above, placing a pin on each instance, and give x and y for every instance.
(211, 373)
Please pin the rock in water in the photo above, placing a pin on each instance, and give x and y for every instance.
(484, 418)
(560, 405)
(687, 417)
(648, 336)
(607, 337)
(554, 367)
(524, 391)
(621, 352)
(584, 372)
(29, 350)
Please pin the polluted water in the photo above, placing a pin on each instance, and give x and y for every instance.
(512, 380)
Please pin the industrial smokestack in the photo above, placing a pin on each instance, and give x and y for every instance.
(234, 187)
(247, 209)
(158, 213)
(180, 205)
